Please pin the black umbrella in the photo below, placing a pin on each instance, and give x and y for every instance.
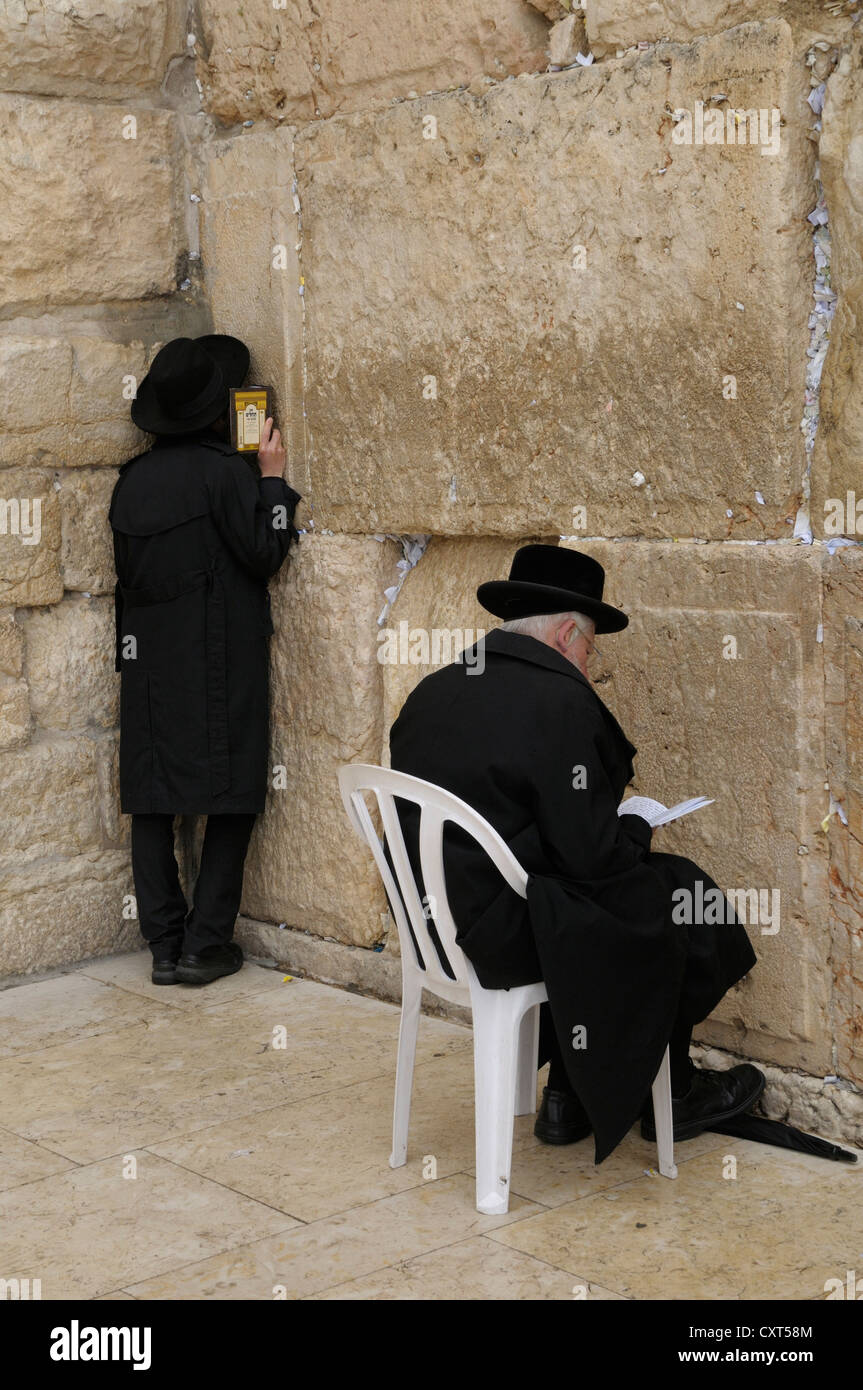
(762, 1131)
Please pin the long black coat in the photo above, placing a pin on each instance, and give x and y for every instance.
(197, 534)
(597, 924)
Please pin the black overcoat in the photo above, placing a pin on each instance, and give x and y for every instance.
(597, 924)
(197, 534)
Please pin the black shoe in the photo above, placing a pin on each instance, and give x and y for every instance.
(210, 964)
(165, 971)
(561, 1118)
(713, 1096)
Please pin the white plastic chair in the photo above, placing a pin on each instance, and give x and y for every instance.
(505, 1021)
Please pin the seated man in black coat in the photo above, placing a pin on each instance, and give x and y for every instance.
(198, 530)
(520, 734)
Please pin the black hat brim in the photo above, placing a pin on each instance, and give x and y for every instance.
(517, 598)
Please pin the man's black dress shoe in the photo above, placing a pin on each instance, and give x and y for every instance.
(561, 1118)
(164, 971)
(712, 1097)
(210, 964)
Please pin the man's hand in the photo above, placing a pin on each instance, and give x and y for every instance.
(271, 453)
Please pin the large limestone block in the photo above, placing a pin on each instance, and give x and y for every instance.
(29, 539)
(466, 377)
(116, 826)
(70, 665)
(66, 401)
(615, 24)
(14, 713)
(836, 470)
(746, 730)
(306, 867)
(299, 60)
(64, 912)
(87, 557)
(100, 48)
(14, 695)
(86, 214)
(843, 650)
(436, 615)
(249, 236)
(11, 645)
(50, 801)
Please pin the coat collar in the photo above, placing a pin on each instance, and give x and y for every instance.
(531, 649)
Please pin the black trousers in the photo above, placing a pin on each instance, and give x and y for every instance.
(682, 1066)
(166, 924)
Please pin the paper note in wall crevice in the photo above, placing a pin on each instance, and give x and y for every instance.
(656, 814)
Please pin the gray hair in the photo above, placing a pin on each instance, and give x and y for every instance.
(541, 624)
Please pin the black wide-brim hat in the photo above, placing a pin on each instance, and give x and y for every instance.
(186, 388)
(231, 354)
(552, 579)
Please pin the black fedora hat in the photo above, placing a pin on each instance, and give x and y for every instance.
(184, 390)
(551, 579)
(231, 354)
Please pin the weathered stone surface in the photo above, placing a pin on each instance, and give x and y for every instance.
(843, 651)
(249, 236)
(99, 48)
(566, 40)
(306, 867)
(305, 59)
(29, 539)
(615, 24)
(87, 214)
(11, 646)
(836, 465)
(74, 912)
(14, 713)
(437, 610)
(747, 731)
(552, 9)
(560, 388)
(62, 401)
(116, 827)
(87, 555)
(49, 806)
(70, 665)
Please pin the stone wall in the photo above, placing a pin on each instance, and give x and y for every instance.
(500, 296)
(96, 246)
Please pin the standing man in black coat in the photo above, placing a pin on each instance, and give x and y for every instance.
(198, 531)
(520, 734)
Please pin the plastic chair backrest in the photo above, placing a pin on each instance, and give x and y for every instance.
(436, 808)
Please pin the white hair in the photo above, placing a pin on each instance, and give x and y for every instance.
(542, 624)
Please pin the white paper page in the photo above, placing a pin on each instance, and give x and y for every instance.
(684, 808)
(644, 806)
(655, 813)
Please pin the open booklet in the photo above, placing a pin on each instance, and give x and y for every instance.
(655, 813)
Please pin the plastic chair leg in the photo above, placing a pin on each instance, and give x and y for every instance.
(408, 1029)
(528, 1052)
(495, 1046)
(663, 1118)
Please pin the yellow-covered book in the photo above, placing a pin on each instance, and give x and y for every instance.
(250, 407)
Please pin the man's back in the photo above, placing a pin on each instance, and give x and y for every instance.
(506, 736)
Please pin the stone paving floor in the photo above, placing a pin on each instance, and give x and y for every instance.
(158, 1143)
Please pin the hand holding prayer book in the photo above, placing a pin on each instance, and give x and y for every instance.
(655, 813)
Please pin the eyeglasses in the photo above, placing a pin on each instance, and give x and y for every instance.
(593, 647)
